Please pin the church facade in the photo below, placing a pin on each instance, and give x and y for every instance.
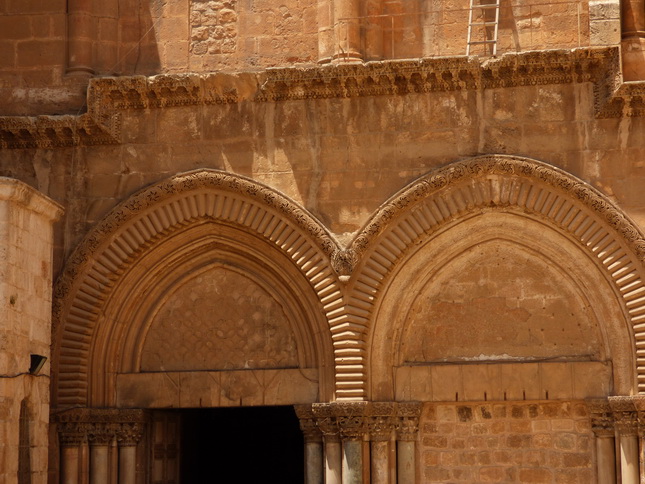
(331, 241)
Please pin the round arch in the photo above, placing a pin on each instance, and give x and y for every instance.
(145, 249)
(543, 196)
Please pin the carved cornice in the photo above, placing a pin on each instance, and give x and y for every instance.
(107, 97)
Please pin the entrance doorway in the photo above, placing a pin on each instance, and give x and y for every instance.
(249, 445)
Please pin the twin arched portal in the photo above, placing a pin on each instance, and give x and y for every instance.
(210, 289)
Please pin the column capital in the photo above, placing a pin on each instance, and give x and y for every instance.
(408, 414)
(381, 420)
(326, 421)
(310, 430)
(625, 414)
(100, 426)
(602, 417)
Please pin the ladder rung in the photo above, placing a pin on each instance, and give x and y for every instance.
(488, 5)
(482, 24)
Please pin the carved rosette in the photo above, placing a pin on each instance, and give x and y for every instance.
(100, 426)
(625, 415)
(602, 417)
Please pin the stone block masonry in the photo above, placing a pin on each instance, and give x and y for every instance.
(519, 442)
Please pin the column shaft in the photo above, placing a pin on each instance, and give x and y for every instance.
(347, 31)
(313, 463)
(333, 464)
(352, 462)
(405, 462)
(380, 457)
(629, 468)
(127, 464)
(606, 465)
(80, 37)
(99, 464)
(69, 464)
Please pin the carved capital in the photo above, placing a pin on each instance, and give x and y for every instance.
(310, 430)
(381, 420)
(72, 434)
(408, 414)
(100, 426)
(625, 415)
(326, 421)
(602, 417)
(129, 433)
(350, 417)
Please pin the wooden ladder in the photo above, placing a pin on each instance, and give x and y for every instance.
(485, 25)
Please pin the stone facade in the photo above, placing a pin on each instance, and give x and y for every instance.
(435, 258)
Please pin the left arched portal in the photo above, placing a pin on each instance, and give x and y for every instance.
(203, 290)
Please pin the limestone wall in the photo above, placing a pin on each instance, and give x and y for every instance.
(532, 441)
(25, 328)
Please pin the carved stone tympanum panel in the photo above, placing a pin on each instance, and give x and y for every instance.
(219, 319)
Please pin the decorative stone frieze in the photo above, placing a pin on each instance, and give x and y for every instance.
(100, 426)
(107, 96)
(355, 420)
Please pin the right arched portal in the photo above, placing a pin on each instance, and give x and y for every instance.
(502, 278)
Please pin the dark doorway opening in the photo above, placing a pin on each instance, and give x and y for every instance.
(252, 445)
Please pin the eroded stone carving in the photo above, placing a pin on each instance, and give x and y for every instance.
(134, 226)
(219, 320)
(100, 426)
(602, 417)
(108, 95)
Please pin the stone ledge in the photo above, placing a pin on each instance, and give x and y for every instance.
(109, 96)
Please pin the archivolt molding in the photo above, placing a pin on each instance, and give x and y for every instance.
(504, 183)
(94, 269)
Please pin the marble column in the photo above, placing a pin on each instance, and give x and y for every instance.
(113, 435)
(314, 473)
(71, 437)
(626, 422)
(602, 424)
(381, 422)
(407, 432)
(350, 417)
(128, 435)
(327, 423)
